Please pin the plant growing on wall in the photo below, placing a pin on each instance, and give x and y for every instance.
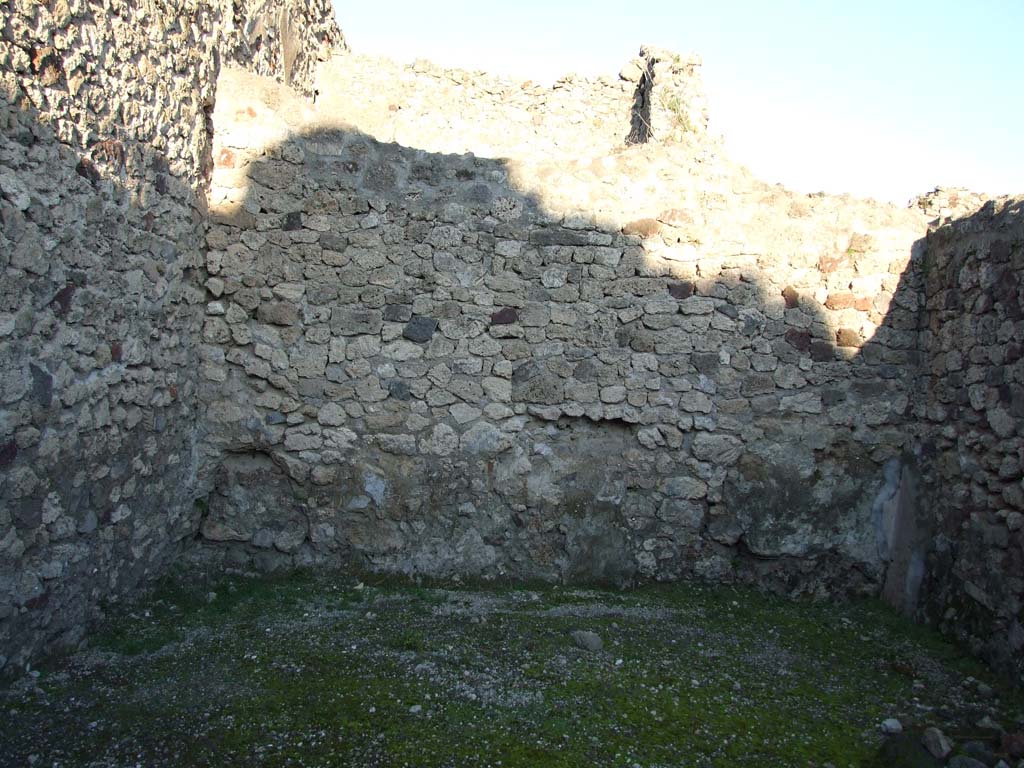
(676, 108)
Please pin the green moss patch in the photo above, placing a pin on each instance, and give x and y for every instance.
(320, 670)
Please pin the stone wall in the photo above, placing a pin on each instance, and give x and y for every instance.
(438, 322)
(631, 362)
(104, 160)
(974, 396)
(280, 39)
(573, 122)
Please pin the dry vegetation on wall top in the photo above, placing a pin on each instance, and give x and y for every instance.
(444, 324)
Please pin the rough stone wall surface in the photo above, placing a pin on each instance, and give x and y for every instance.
(572, 125)
(282, 39)
(974, 396)
(104, 157)
(627, 362)
(443, 323)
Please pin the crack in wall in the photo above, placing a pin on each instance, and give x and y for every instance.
(640, 131)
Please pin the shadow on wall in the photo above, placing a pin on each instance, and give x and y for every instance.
(102, 159)
(974, 390)
(97, 404)
(411, 365)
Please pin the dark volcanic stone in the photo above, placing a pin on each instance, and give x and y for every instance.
(42, 385)
(683, 290)
(821, 351)
(705, 362)
(504, 316)
(799, 339)
(397, 313)
(420, 329)
(63, 299)
(728, 310)
(399, 389)
(832, 396)
(8, 452)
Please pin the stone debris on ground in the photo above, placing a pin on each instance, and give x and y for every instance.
(309, 668)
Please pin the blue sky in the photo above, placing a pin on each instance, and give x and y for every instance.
(881, 99)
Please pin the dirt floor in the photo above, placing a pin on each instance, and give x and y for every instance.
(319, 670)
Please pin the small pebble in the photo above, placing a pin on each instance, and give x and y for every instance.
(588, 641)
(892, 726)
(989, 724)
(936, 742)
